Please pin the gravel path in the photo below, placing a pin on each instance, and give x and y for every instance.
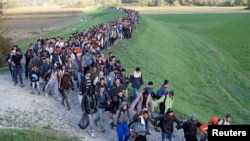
(20, 109)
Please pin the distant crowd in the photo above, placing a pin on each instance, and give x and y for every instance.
(57, 67)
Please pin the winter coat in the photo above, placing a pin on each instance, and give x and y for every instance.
(190, 128)
(121, 116)
(136, 80)
(168, 102)
(167, 123)
(86, 103)
(102, 100)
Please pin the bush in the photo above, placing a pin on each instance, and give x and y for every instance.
(5, 47)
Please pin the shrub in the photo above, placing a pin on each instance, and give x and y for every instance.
(5, 47)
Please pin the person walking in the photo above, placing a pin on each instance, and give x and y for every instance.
(165, 102)
(18, 68)
(136, 80)
(139, 128)
(103, 101)
(166, 123)
(225, 121)
(122, 119)
(190, 128)
(34, 78)
(65, 85)
(89, 106)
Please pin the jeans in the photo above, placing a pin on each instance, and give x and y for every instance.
(122, 132)
(91, 122)
(135, 92)
(52, 84)
(100, 117)
(79, 79)
(27, 71)
(65, 97)
(18, 72)
(167, 136)
(33, 86)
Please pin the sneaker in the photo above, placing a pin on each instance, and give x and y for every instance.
(58, 98)
(32, 92)
(15, 84)
(38, 93)
(22, 85)
(93, 135)
(103, 130)
(46, 94)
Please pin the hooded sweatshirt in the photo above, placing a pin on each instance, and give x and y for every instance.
(122, 116)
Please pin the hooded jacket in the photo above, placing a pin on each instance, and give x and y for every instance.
(121, 116)
(89, 102)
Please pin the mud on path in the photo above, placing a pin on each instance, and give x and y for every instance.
(21, 23)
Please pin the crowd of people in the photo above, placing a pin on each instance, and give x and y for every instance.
(57, 66)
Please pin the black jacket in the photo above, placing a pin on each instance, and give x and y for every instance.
(87, 105)
(102, 100)
(190, 127)
(167, 123)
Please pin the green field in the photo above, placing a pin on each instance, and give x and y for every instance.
(33, 135)
(204, 56)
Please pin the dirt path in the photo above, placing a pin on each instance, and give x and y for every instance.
(20, 109)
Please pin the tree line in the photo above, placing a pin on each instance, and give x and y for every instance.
(16, 3)
(187, 2)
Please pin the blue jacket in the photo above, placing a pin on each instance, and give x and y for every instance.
(136, 81)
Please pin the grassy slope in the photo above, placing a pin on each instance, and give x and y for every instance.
(32, 135)
(205, 57)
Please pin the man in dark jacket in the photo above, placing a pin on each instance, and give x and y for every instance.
(28, 55)
(190, 128)
(86, 83)
(103, 101)
(89, 106)
(18, 68)
(166, 124)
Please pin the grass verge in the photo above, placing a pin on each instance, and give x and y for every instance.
(33, 135)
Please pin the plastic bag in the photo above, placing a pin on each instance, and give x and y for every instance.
(84, 122)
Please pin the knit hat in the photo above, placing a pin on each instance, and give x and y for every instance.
(193, 115)
(169, 110)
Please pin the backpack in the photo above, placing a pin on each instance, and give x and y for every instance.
(223, 121)
(159, 93)
(88, 60)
